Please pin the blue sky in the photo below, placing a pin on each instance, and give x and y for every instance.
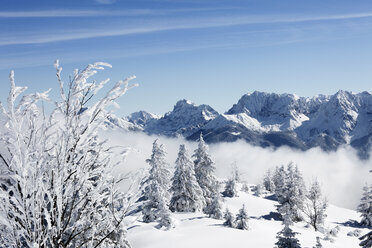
(207, 51)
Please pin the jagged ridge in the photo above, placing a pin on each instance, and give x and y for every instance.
(269, 119)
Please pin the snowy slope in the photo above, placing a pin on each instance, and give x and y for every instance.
(197, 230)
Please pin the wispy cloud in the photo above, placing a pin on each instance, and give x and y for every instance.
(50, 13)
(105, 1)
(162, 25)
(93, 13)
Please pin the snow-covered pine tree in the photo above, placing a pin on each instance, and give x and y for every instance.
(164, 217)
(229, 218)
(268, 181)
(280, 179)
(157, 184)
(291, 190)
(286, 237)
(318, 244)
(245, 188)
(297, 191)
(300, 182)
(315, 206)
(214, 209)
(230, 188)
(205, 171)
(259, 189)
(187, 195)
(366, 240)
(58, 189)
(365, 206)
(241, 220)
(235, 172)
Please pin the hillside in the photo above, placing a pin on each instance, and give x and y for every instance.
(197, 230)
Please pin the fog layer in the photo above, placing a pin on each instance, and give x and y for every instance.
(341, 173)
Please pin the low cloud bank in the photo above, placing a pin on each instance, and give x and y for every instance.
(341, 173)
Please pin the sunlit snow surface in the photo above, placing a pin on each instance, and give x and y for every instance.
(197, 230)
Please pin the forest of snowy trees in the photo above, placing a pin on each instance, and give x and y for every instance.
(194, 187)
(58, 189)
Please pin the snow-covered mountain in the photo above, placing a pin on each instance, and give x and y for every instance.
(269, 119)
(142, 118)
(185, 119)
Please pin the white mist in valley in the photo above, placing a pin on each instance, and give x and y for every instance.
(341, 173)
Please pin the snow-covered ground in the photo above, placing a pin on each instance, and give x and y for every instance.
(197, 230)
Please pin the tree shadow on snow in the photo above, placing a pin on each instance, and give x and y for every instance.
(131, 227)
(272, 216)
(220, 225)
(196, 218)
(271, 197)
(352, 223)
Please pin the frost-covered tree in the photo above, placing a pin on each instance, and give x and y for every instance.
(259, 190)
(318, 244)
(286, 237)
(57, 187)
(290, 189)
(365, 206)
(205, 171)
(241, 220)
(187, 196)
(214, 209)
(230, 188)
(366, 240)
(164, 217)
(268, 181)
(235, 172)
(280, 179)
(229, 218)
(315, 206)
(245, 188)
(157, 184)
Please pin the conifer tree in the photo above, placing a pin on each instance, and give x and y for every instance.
(286, 237)
(259, 190)
(205, 171)
(280, 179)
(214, 209)
(235, 173)
(230, 188)
(241, 220)
(290, 189)
(187, 195)
(315, 206)
(268, 181)
(365, 206)
(157, 185)
(229, 218)
(164, 216)
(245, 188)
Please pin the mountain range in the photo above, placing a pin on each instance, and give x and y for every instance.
(268, 120)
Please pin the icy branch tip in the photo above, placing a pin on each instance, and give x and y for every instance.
(98, 64)
(56, 63)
